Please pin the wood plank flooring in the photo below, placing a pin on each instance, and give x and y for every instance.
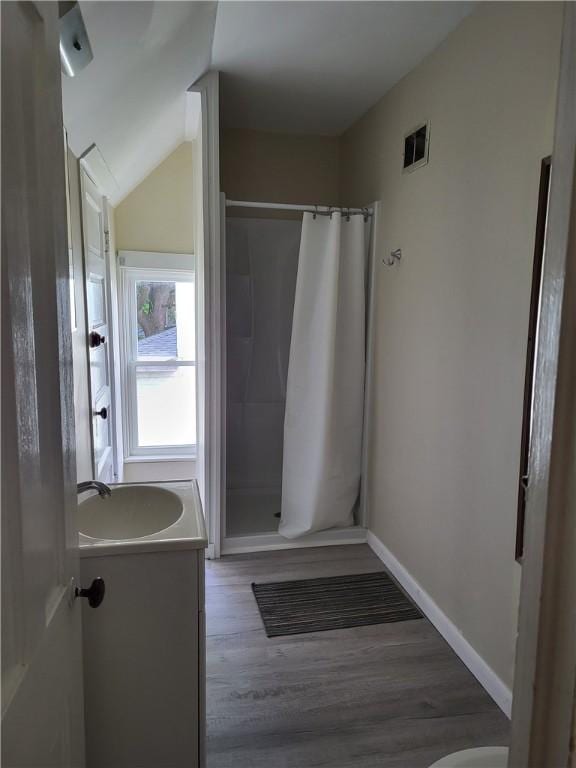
(386, 696)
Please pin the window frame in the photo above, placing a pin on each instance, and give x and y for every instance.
(135, 267)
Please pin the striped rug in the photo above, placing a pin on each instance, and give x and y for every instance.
(336, 602)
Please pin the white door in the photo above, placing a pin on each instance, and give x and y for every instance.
(95, 262)
(42, 697)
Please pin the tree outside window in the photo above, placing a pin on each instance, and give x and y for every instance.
(156, 307)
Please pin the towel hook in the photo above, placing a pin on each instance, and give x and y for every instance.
(395, 256)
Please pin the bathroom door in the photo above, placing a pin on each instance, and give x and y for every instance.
(95, 267)
(42, 696)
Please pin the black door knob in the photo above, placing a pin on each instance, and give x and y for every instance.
(94, 339)
(103, 413)
(95, 592)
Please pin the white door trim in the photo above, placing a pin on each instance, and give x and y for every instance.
(113, 329)
(86, 181)
(223, 378)
(363, 509)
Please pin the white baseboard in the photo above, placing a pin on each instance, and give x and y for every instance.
(263, 542)
(485, 675)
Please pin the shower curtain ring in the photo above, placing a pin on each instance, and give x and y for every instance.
(315, 212)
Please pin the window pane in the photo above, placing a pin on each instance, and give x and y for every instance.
(166, 402)
(165, 320)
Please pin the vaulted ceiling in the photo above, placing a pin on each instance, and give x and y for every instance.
(131, 99)
(316, 67)
(293, 67)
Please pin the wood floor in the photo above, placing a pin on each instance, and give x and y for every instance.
(386, 696)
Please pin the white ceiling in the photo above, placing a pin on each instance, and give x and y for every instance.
(316, 67)
(294, 67)
(131, 99)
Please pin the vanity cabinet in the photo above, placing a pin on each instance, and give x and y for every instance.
(144, 650)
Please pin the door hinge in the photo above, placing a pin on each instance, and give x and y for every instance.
(107, 240)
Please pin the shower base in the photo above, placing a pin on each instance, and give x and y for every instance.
(250, 511)
(264, 542)
(251, 525)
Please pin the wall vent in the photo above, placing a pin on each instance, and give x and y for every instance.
(416, 147)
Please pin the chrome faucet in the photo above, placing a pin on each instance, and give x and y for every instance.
(94, 485)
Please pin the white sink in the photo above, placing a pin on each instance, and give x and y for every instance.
(130, 513)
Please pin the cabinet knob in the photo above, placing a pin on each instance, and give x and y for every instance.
(95, 592)
(95, 340)
(103, 413)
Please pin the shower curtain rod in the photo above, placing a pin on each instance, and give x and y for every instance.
(321, 209)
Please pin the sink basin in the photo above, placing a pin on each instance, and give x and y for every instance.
(131, 512)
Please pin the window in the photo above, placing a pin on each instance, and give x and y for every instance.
(160, 362)
(416, 147)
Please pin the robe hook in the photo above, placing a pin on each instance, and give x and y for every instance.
(395, 256)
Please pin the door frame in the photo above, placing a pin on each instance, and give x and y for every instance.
(112, 315)
(541, 219)
(545, 671)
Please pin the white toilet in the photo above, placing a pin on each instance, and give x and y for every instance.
(481, 757)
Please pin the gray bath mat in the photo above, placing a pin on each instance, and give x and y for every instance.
(336, 602)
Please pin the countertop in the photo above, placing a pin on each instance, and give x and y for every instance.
(188, 532)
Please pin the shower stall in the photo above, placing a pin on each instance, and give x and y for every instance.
(261, 268)
(261, 273)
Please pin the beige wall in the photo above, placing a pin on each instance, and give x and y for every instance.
(279, 168)
(159, 215)
(451, 319)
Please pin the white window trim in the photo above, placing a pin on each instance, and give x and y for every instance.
(135, 265)
(149, 260)
(155, 459)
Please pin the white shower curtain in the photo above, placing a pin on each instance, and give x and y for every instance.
(325, 390)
